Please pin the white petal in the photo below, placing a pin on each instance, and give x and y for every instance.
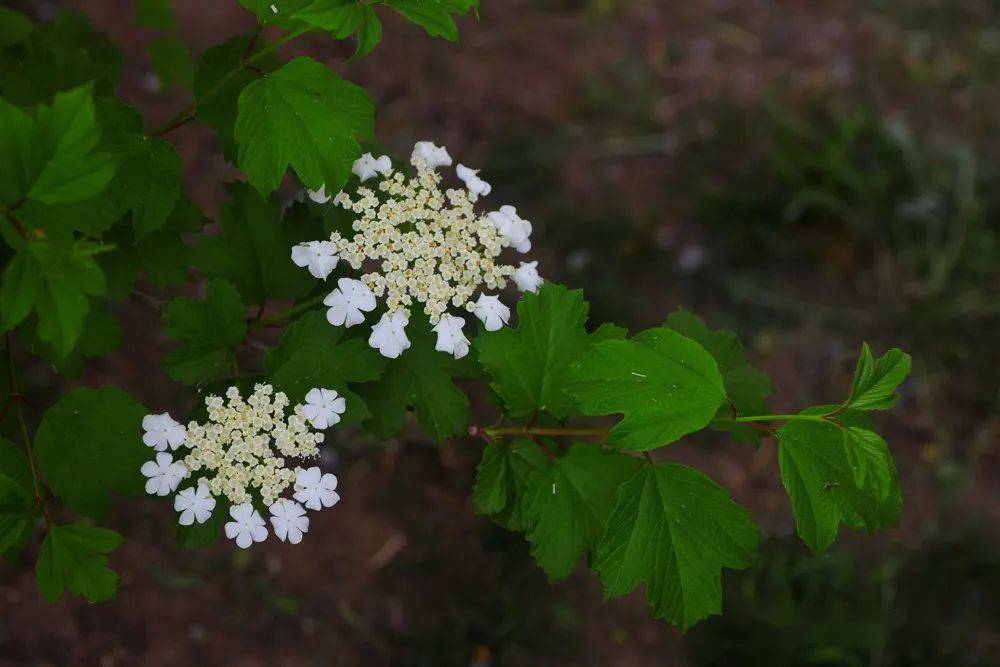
(243, 539)
(526, 277)
(259, 532)
(314, 396)
(319, 196)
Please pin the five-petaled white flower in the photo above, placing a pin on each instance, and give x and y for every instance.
(289, 520)
(247, 525)
(389, 335)
(164, 474)
(323, 407)
(431, 155)
(348, 301)
(526, 277)
(320, 256)
(473, 183)
(194, 504)
(514, 227)
(450, 337)
(316, 490)
(492, 312)
(319, 196)
(162, 431)
(366, 166)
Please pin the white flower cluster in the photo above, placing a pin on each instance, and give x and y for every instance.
(418, 244)
(244, 447)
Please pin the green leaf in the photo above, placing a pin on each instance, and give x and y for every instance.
(207, 332)
(57, 278)
(16, 491)
(155, 14)
(99, 338)
(874, 384)
(305, 116)
(219, 72)
(434, 16)
(148, 178)
(421, 378)
(746, 386)
(822, 477)
(73, 557)
(52, 158)
(20, 282)
(502, 479)
(343, 18)
(665, 384)
(58, 55)
(14, 27)
(254, 248)
(15, 529)
(675, 529)
(88, 446)
(313, 353)
(530, 365)
(17, 131)
(17, 500)
(171, 62)
(568, 504)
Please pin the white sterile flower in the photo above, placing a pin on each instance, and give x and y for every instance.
(194, 504)
(472, 181)
(320, 256)
(316, 490)
(492, 312)
(323, 407)
(348, 301)
(164, 474)
(161, 431)
(389, 335)
(319, 196)
(526, 277)
(450, 338)
(247, 525)
(366, 166)
(289, 520)
(427, 153)
(514, 227)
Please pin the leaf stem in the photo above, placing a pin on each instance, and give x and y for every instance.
(15, 398)
(188, 113)
(528, 431)
(790, 418)
(279, 318)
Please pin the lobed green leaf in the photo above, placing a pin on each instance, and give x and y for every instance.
(421, 379)
(675, 529)
(837, 472)
(530, 364)
(207, 332)
(665, 385)
(88, 446)
(305, 116)
(567, 504)
(874, 384)
(73, 557)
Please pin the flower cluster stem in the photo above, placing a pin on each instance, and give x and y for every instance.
(16, 400)
(187, 114)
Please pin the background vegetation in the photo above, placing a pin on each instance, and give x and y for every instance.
(809, 174)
